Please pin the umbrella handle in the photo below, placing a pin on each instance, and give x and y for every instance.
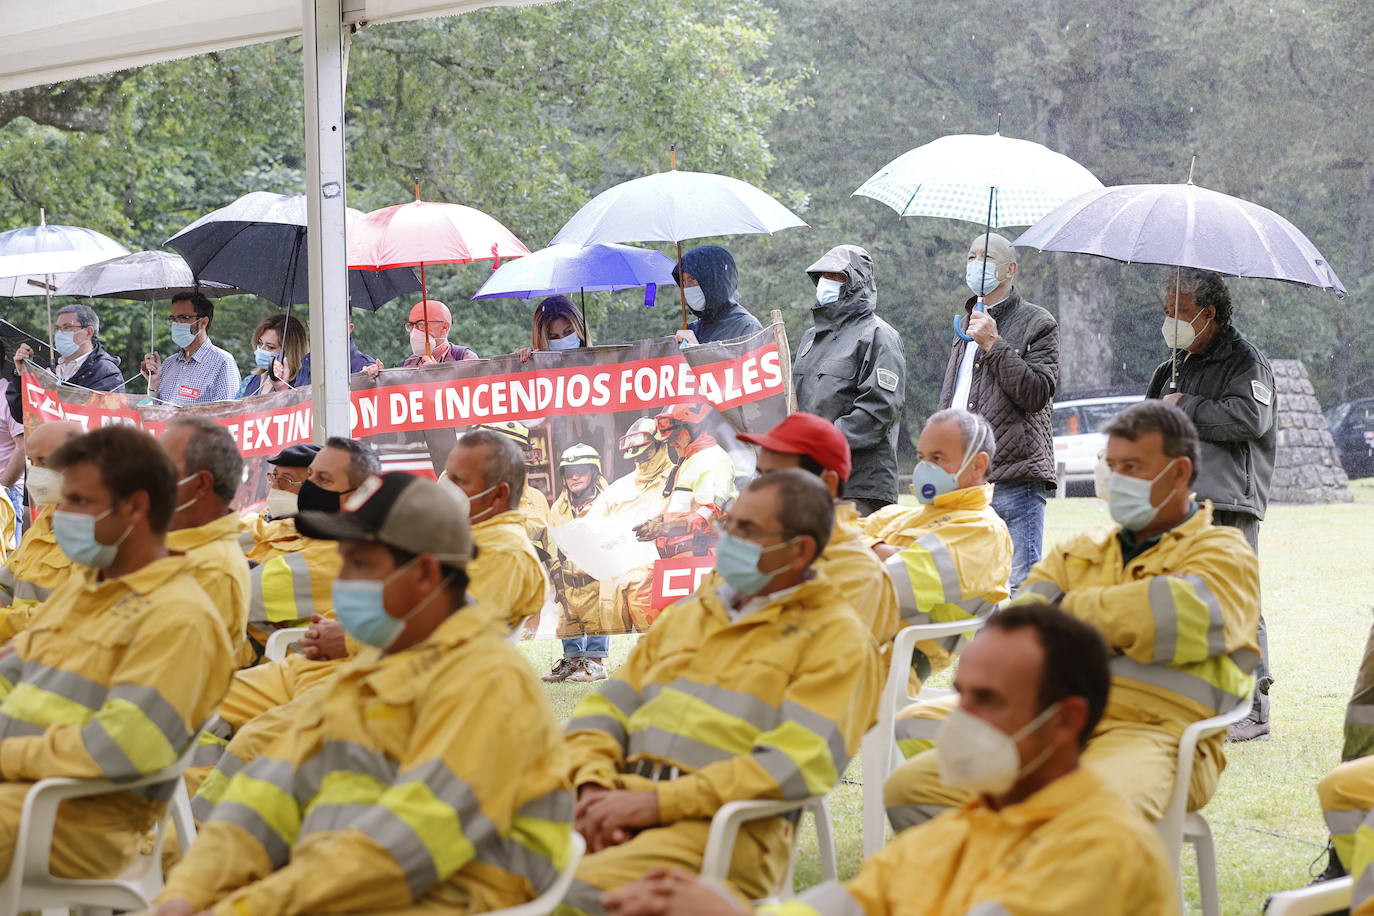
(958, 326)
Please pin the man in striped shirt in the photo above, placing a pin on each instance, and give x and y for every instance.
(198, 371)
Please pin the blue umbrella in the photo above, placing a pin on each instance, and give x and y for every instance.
(568, 268)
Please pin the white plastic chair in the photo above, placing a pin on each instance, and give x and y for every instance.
(31, 886)
(545, 902)
(1179, 825)
(1314, 900)
(280, 641)
(880, 754)
(726, 824)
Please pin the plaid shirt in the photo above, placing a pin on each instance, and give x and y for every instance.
(209, 375)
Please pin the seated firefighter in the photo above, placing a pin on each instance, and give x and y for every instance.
(760, 685)
(126, 662)
(407, 788)
(1177, 600)
(1040, 834)
(30, 573)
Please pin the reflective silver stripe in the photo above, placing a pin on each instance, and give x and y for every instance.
(219, 728)
(66, 684)
(110, 757)
(401, 841)
(1044, 588)
(831, 899)
(944, 564)
(1246, 659)
(784, 771)
(988, 908)
(228, 767)
(11, 727)
(583, 898)
(906, 596)
(1194, 688)
(608, 724)
(279, 773)
(621, 695)
(670, 747)
(160, 712)
(232, 812)
(1343, 823)
(748, 707)
(822, 728)
(207, 755)
(1164, 609)
(903, 816)
(917, 728)
(356, 758)
(302, 589)
(1362, 889)
(11, 667)
(557, 805)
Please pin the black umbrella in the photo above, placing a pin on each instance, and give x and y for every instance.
(257, 244)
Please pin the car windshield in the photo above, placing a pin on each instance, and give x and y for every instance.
(1064, 421)
(1096, 416)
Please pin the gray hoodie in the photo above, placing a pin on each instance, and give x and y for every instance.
(850, 369)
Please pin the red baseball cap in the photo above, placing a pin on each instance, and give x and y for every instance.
(806, 434)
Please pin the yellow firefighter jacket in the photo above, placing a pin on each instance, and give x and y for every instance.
(114, 678)
(534, 506)
(221, 570)
(507, 574)
(857, 574)
(1072, 847)
(37, 567)
(399, 783)
(295, 576)
(954, 562)
(770, 706)
(1180, 618)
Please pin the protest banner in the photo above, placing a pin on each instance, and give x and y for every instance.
(556, 400)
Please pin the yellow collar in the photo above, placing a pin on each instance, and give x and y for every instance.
(226, 527)
(967, 498)
(1064, 793)
(141, 581)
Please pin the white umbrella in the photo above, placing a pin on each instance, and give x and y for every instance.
(674, 206)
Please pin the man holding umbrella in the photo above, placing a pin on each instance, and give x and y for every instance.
(1226, 388)
(1007, 372)
(850, 370)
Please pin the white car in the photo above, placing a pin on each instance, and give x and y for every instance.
(1077, 427)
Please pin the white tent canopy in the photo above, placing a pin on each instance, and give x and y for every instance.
(54, 40)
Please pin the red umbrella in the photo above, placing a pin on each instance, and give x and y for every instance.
(423, 232)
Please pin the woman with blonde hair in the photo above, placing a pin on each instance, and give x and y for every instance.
(276, 355)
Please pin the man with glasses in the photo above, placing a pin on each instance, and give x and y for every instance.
(429, 324)
(198, 371)
(759, 686)
(82, 359)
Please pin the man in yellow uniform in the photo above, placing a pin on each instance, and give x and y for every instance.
(205, 526)
(816, 445)
(506, 578)
(581, 626)
(1177, 600)
(638, 495)
(401, 788)
(1042, 834)
(272, 532)
(39, 565)
(703, 483)
(127, 661)
(760, 685)
(534, 505)
(1347, 801)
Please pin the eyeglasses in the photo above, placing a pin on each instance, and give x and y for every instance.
(747, 531)
(435, 328)
(281, 481)
(183, 319)
(70, 328)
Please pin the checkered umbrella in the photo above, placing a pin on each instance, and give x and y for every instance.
(954, 177)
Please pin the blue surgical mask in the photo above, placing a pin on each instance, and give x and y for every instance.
(182, 334)
(827, 291)
(737, 561)
(696, 299)
(65, 342)
(263, 358)
(361, 609)
(75, 533)
(1128, 499)
(571, 342)
(981, 276)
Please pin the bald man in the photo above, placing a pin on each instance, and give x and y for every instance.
(39, 565)
(1007, 372)
(428, 326)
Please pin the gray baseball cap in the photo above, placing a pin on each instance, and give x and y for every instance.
(400, 510)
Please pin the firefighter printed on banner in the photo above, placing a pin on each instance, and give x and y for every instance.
(701, 485)
(579, 593)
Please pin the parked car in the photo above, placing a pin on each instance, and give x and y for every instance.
(1077, 423)
(1352, 426)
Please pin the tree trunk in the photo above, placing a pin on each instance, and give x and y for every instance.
(1085, 324)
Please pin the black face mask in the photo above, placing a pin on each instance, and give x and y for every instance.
(314, 498)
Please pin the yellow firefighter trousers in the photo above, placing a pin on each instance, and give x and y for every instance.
(94, 837)
(1347, 795)
(758, 866)
(580, 612)
(253, 691)
(633, 604)
(1134, 760)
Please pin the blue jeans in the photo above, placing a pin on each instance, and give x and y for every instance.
(587, 647)
(1021, 504)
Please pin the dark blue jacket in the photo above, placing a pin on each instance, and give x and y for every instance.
(357, 359)
(723, 317)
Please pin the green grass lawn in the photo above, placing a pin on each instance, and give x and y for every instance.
(1317, 567)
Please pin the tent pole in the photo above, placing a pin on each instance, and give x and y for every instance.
(324, 41)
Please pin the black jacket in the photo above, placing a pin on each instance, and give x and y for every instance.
(850, 369)
(99, 372)
(1013, 386)
(1228, 392)
(722, 318)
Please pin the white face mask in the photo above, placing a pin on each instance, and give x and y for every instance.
(1180, 334)
(696, 298)
(45, 484)
(417, 342)
(191, 502)
(281, 503)
(977, 756)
